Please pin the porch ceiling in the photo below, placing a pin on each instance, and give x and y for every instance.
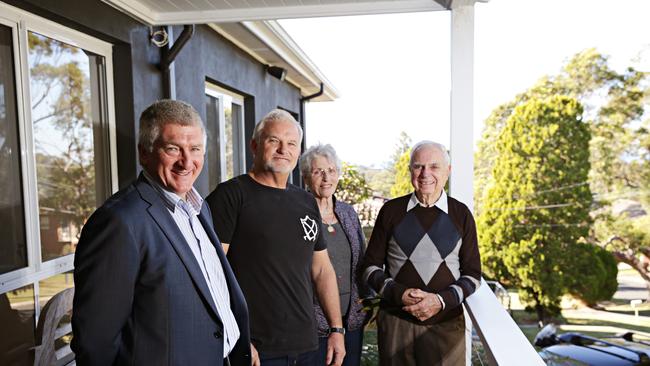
(167, 12)
(251, 26)
(268, 43)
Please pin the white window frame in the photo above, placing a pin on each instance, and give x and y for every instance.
(239, 143)
(21, 22)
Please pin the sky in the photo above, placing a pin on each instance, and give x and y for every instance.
(393, 71)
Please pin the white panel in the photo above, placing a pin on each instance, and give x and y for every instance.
(275, 3)
(251, 4)
(462, 102)
(195, 5)
(157, 5)
(291, 2)
(175, 6)
(258, 10)
(502, 339)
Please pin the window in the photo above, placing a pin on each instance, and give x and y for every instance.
(56, 165)
(13, 251)
(69, 171)
(225, 127)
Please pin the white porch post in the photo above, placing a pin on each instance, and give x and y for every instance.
(462, 101)
(502, 339)
(462, 112)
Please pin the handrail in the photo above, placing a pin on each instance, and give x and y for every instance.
(502, 339)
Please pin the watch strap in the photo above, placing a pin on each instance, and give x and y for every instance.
(336, 330)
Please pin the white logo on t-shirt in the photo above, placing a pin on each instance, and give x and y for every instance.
(310, 228)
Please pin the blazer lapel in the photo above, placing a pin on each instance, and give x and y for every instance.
(167, 225)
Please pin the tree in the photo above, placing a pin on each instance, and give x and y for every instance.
(615, 104)
(352, 187)
(627, 239)
(384, 181)
(529, 225)
(596, 270)
(402, 183)
(586, 77)
(354, 190)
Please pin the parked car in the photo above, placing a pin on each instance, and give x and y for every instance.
(579, 349)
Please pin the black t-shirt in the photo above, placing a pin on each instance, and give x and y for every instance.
(273, 234)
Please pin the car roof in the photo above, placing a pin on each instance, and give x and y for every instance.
(593, 354)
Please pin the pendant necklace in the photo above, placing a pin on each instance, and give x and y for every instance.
(330, 227)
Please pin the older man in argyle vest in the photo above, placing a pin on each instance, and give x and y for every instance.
(423, 260)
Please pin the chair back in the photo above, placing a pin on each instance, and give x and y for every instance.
(50, 329)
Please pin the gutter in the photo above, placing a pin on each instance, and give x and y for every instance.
(297, 179)
(167, 57)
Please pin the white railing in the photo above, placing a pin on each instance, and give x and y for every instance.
(502, 339)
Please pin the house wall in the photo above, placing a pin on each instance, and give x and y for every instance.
(138, 81)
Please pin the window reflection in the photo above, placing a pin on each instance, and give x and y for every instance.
(17, 330)
(64, 126)
(225, 144)
(13, 251)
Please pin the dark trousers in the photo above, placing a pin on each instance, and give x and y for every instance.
(402, 343)
(302, 359)
(353, 343)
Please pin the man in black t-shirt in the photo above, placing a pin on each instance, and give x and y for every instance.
(270, 230)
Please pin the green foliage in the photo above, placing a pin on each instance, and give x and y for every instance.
(528, 222)
(402, 183)
(384, 181)
(380, 180)
(352, 187)
(595, 272)
(618, 233)
(615, 105)
(612, 103)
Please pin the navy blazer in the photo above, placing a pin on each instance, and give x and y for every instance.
(140, 297)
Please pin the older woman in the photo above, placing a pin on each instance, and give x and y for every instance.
(320, 168)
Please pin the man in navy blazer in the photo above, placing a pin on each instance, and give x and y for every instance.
(152, 284)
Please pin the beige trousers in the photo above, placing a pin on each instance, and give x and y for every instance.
(402, 343)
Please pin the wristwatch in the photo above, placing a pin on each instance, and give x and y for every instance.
(336, 330)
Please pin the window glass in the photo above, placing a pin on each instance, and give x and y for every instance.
(17, 330)
(67, 140)
(13, 251)
(229, 116)
(53, 285)
(224, 124)
(212, 166)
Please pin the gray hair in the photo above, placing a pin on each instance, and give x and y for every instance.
(326, 151)
(161, 113)
(426, 143)
(272, 116)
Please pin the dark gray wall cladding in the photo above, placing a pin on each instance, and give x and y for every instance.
(209, 56)
(138, 82)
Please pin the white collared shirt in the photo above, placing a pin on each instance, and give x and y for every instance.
(186, 215)
(441, 203)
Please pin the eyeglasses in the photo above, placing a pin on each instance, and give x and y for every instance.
(331, 172)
